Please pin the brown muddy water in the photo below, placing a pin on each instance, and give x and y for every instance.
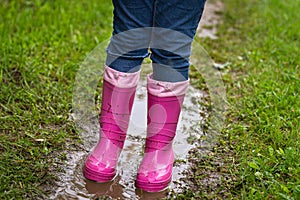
(72, 184)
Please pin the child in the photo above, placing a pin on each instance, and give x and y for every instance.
(175, 23)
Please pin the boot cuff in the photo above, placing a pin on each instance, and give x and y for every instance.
(166, 89)
(121, 79)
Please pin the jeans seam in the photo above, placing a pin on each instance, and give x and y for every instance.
(153, 22)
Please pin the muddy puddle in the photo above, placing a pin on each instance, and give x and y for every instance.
(72, 184)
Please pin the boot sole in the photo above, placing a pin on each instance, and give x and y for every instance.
(153, 187)
(97, 176)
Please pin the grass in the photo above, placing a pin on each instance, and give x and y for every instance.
(260, 143)
(265, 119)
(43, 43)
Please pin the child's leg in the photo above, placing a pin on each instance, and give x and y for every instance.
(164, 105)
(117, 100)
(128, 47)
(119, 84)
(167, 87)
(180, 20)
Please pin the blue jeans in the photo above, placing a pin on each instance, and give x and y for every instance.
(163, 28)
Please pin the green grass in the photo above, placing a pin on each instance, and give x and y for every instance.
(262, 41)
(43, 43)
(268, 114)
(42, 46)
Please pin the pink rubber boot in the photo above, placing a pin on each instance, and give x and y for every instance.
(164, 105)
(117, 100)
